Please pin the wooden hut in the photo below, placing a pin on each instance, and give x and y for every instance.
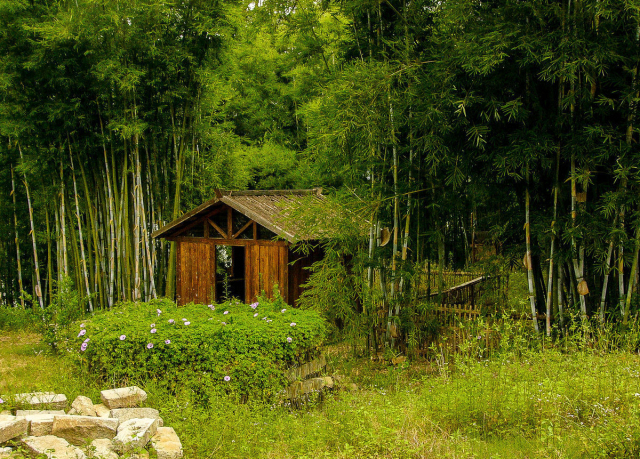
(240, 244)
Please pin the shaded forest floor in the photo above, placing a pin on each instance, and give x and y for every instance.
(554, 403)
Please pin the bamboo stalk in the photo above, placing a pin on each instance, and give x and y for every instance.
(532, 297)
(575, 254)
(553, 243)
(33, 237)
(17, 239)
(632, 277)
(94, 236)
(83, 259)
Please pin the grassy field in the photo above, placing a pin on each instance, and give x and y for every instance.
(553, 403)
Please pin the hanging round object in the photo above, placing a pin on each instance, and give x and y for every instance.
(583, 288)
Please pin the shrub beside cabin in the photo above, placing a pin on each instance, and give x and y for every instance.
(241, 243)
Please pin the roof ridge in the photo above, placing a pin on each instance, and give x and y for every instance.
(298, 192)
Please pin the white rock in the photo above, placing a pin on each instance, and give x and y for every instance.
(38, 412)
(40, 424)
(44, 400)
(134, 434)
(52, 447)
(167, 444)
(83, 406)
(101, 410)
(13, 429)
(124, 414)
(5, 413)
(5, 452)
(78, 429)
(102, 448)
(7, 417)
(124, 397)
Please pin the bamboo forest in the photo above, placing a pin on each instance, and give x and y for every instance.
(475, 166)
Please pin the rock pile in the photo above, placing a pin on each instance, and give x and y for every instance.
(115, 428)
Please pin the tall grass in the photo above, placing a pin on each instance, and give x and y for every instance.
(523, 398)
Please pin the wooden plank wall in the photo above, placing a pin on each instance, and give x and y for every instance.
(196, 272)
(266, 265)
(298, 274)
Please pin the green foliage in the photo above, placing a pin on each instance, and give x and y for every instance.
(15, 318)
(55, 319)
(199, 345)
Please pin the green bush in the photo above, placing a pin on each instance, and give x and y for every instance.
(16, 318)
(55, 319)
(229, 347)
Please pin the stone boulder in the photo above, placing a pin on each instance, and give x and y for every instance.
(40, 424)
(38, 412)
(52, 447)
(101, 410)
(83, 406)
(124, 397)
(124, 414)
(78, 429)
(134, 434)
(102, 448)
(12, 429)
(42, 400)
(166, 443)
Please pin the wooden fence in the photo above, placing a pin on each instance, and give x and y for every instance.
(466, 295)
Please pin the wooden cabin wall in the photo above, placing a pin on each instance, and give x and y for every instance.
(266, 265)
(298, 274)
(196, 272)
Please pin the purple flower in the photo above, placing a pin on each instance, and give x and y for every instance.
(1, 401)
(226, 312)
(82, 333)
(81, 325)
(152, 325)
(184, 320)
(223, 323)
(289, 339)
(150, 346)
(87, 340)
(212, 307)
(167, 341)
(293, 324)
(227, 378)
(254, 305)
(171, 321)
(158, 311)
(187, 323)
(123, 337)
(283, 311)
(84, 347)
(153, 330)
(255, 315)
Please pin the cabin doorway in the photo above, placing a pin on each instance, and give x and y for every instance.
(230, 273)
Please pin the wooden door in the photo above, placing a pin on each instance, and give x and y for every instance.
(196, 272)
(266, 265)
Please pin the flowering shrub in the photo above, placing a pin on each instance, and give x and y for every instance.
(229, 348)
